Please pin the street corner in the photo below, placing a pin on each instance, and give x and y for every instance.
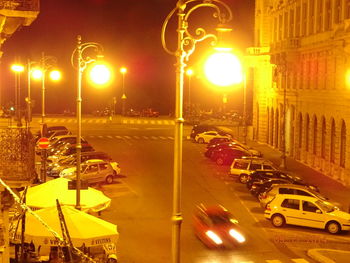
(329, 255)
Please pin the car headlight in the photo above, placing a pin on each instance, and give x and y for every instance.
(214, 237)
(236, 235)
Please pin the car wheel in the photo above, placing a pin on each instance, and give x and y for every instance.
(109, 179)
(333, 227)
(243, 178)
(278, 220)
(219, 161)
(200, 140)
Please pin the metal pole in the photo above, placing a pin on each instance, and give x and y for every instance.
(178, 133)
(189, 94)
(78, 146)
(19, 122)
(43, 88)
(123, 96)
(29, 102)
(245, 106)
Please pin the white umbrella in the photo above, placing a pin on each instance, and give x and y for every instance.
(83, 228)
(45, 195)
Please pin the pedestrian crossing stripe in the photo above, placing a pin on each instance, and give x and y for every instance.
(133, 137)
(104, 121)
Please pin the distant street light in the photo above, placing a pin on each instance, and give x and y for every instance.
(123, 71)
(80, 63)
(18, 69)
(39, 73)
(186, 43)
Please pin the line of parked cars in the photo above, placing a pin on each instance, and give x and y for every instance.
(285, 198)
(61, 158)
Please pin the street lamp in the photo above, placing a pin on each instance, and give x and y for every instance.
(46, 63)
(123, 71)
(18, 69)
(186, 43)
(80, 63)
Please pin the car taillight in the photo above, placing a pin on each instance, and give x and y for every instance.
(268, 207)
(263, 195)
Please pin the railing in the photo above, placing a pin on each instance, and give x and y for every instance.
(21, 5)
(17, 156)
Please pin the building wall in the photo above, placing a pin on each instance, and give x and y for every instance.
(307, 59)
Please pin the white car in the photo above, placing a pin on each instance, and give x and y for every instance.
(94, 171)
(306, 211)
(205, 137)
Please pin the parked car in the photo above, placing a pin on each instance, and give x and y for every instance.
(258, 188)
(199, 128)
(48, 131)
(291, 189)
(260, 176)
(68, 150)
(54, 169)
(210, 150)
(62, 140)
(306, 211)
(94, 171)
(59, 133)
(227, 155)
(205, 137)
(149, 112)
(241, 168)
(216, 141)
(215, 226)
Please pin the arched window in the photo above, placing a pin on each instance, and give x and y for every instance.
(323, 138)
(342, 144)
(332, 144)
(315, 134)
(307, 132)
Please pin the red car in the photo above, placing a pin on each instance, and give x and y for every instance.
(216, 227)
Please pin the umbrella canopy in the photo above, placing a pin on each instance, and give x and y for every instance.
(83, 228)
(45, 195)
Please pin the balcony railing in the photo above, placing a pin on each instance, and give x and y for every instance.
(20, 5)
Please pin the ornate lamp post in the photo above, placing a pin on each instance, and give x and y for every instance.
(186, 43)
(18, 69)
(80, 62)
(189, 73)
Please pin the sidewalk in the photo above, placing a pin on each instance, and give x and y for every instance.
(327, 186)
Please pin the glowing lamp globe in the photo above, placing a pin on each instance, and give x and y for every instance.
(223, 69)
(100, 74)
(55, 75)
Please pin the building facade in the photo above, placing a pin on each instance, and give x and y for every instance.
(301, 65)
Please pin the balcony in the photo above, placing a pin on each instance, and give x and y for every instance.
(16, 13)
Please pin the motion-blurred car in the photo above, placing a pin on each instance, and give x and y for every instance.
(227, 155)
(215, 226)
(205, 137)
(68, 150)
(149, 112)
(94, 171)
(306, 211)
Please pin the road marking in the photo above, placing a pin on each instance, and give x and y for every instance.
(90, 121)
(154, 137)
(137, 137)
(273, 261)
(145, 137)
(138, 121)
(109, 136)
(124, 121)
(162, 137)
(100, 136)
(153, 122)
(70, 120)
(299, 260)
(159, 122)
(127, 137)
(118, 137)
(170, 138)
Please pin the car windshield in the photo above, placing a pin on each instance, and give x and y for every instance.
(327, 207)
(222, 218)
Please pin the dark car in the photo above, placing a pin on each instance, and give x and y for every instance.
(199, 128)
(258, 187)
(69, 149)
(210, 150)
(215, 226)
(261, 176)
(227, 155)
(215, 141)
